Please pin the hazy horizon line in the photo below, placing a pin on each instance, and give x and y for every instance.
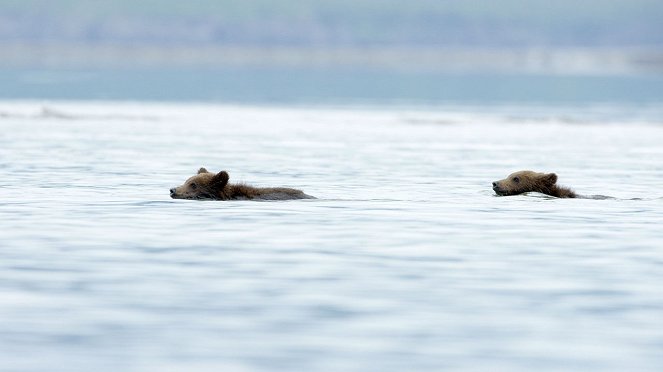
(560, 60)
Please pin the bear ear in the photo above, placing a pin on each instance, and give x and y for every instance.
(202, 170)
(220, 180)
(550, 178)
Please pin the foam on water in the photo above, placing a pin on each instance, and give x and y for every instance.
(407, 261)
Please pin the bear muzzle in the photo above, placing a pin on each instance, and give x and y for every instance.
(498, 190)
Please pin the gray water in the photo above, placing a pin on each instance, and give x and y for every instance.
(328, 86)
(406, 261)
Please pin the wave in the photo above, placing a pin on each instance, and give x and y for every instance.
(47, 112)
(442, 115)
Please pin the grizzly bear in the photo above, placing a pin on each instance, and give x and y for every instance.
(215, 186)
(527, 181)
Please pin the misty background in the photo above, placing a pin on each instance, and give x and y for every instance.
(592, 36)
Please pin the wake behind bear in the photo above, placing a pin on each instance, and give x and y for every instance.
(215, 186)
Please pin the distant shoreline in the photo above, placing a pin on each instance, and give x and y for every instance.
(574, 60)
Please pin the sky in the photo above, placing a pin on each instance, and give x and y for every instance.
(334, 23)
(562, 36)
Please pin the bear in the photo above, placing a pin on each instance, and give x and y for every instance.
(214, 186)
(527, 181)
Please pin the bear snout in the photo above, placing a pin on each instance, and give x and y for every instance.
(498, 190)
(172, 191)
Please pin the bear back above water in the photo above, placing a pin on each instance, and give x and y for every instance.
(528, 181)
(214, 186)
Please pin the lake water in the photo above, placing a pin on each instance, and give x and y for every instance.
(406, 261)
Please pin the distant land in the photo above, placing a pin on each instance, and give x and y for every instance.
(532, 35)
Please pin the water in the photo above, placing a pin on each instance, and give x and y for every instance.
(329, 86)
(406, 261)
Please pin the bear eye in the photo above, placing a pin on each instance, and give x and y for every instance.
(516, 179)
(194, 186)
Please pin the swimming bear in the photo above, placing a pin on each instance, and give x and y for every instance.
(527, 181)
(215, 186)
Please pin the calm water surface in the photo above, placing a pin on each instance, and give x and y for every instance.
(406, 261)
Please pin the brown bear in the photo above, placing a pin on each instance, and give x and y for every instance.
(526, 181)
(215, 186)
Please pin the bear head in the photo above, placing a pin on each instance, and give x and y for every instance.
(204, 185)
(525, 181)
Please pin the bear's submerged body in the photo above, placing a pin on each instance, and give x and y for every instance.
(215, 186)
(246, 192)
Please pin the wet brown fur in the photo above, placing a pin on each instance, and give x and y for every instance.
(528, 181)
(206, 185)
